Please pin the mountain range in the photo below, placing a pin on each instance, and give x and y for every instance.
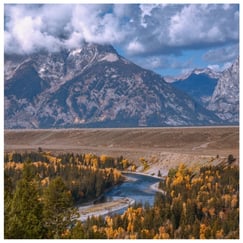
(225, 98)
(216, 91)
(94, 86)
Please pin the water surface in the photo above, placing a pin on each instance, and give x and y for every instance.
(138, 187)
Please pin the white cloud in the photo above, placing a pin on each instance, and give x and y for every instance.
(185, 71)
(75, 39)
(145, 29)
(222, 54)
(146, 10)
(135, 47)
(220, 68)
(214, 67)
(26, 33)
(56, 18)
(203, 25)
(155, 62)
(53, 26)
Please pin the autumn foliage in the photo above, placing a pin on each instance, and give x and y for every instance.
(204, 205)
(193, 205)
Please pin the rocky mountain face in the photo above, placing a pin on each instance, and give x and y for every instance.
(200, 85)
(92, 87)
(225, 98)
(215, 91)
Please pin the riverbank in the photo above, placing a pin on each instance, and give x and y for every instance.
(141, 173)
(101, 209)
(126, 195)
(155, 187)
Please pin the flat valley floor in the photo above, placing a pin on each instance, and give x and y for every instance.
(162, 148)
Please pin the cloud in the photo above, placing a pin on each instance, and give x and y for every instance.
(153, 62)
(135, 47)
(165, 62)
(29, 28)
(172, 28)
(146, 10)
(214, 67)
(204, 25)
(97, 25)
(220, 68)
(140, 30)
(222, 54)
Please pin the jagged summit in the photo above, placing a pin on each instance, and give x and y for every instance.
(197, 71)
(215, 91)
(225, 98)
(200, 85)
(92, 86)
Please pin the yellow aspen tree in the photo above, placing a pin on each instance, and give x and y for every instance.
(109, 232)
(162, 233)
(124, 163)
(133, 236)
(120, 233)
(133, 169)
(130, 227)
(109, 221)
(219, 234)
(202, 231)
(234, 201)
(103, 158)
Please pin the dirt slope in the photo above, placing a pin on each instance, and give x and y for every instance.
(163, 148)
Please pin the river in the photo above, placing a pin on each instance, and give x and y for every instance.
(137, 187)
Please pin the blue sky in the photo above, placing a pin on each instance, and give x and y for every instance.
(168, 38)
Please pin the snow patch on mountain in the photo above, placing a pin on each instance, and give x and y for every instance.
(110, 57)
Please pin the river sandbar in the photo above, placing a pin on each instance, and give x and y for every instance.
(100, 209)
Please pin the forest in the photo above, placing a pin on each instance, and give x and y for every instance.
(42, 191)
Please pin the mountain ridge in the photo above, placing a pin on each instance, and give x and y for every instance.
(215, 91)
(93, 86)
(225, 98)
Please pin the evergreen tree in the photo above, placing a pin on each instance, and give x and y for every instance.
(25, 216)
(58, 211)
(8, 196)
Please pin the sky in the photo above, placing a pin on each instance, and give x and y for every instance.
(170, 39)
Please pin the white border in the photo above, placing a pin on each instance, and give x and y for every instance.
(87, 2)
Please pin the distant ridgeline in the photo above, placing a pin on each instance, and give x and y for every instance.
(94, 86)
(41, 191)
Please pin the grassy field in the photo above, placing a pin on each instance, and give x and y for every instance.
(163, 148)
